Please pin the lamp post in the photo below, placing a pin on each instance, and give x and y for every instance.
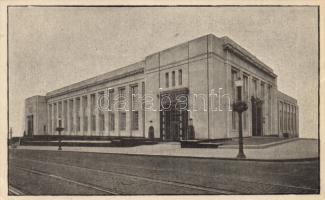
(239, 107)
(59, 129)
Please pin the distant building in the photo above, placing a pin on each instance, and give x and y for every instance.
(201, 71)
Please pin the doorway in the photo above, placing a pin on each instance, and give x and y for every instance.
(174, 115)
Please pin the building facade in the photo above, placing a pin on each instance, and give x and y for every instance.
(189, 84)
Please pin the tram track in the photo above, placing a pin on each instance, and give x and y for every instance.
(208, 190)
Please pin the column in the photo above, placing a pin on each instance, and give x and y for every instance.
(96, 110)
(106, 129)
(74, 132)
(89, 114)
(81, 117)
(68, 118)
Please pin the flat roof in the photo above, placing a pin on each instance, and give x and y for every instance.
(123, 72)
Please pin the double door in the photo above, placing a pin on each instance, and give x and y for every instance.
(174, 124)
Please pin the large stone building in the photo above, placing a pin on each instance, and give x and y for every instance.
(202, 71)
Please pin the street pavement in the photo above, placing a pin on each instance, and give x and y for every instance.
(41, 172)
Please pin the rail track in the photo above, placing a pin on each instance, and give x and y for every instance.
(208, 190)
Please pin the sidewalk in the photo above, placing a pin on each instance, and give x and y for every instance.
(294, 149)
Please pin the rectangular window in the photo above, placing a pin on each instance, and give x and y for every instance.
(78, 114)
(65, 114)
(245, 98)
(294, 120)
(173, 78)
(281, 117)
(111, 100)
(234, 95)
(245, 87)
(254, 87)
(122, 98)
(101, 122)
(180, 77)
(135, 120)
(50, 119)
(60, 110)
(111, 121)
(285, 117)
(134, 97)
(122, 121)
(71, 114)
(262, 90)
(55, 116)
(167, 80)
(269, 107)
(233, 79)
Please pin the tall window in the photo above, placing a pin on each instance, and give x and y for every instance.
(254, 87)
(134, 97)
(135, 107)
(111, 100)
(101, 115)
(289, 117)
(285, 117)
(85, 113)
(180, 77)
(135, 120)
(121, 98)
(269, 106)
(245, 95)
(281, 116)
(294, 120)
(167, 80)
(93, 116)
(262, 90)
(234, 94)
(173, 78)
(111, 115)
(122, 121)
(71, 114)
(78, 114)
(111, 121)
(245, 87)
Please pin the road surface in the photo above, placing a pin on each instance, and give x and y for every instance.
(33, 172)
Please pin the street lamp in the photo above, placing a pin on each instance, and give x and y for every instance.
(239, 107)
(59, 129)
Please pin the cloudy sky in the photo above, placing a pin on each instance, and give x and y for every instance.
(53, 47)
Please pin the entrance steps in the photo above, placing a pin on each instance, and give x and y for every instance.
(202, 143)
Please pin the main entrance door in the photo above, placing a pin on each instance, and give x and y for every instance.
(257, 117)
(173, 115)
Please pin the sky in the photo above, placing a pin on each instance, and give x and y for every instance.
(52, 47)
